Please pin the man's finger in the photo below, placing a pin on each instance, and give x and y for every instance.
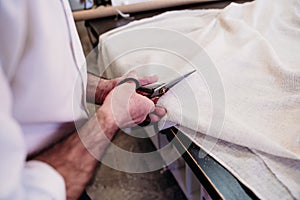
(154, 118)
(128, 87)
(148, 80)
(160, 111)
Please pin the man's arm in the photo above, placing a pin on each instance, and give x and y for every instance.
(72, 159)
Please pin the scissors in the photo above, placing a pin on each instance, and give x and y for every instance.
(154, 92)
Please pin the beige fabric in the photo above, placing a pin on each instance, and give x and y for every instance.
(269, 177)
(255, 48)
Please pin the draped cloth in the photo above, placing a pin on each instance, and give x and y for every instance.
(254, 47)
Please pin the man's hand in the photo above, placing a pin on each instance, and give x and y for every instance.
(98, 88)
(128, 108)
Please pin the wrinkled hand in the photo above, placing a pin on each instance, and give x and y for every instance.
(103, 87)
(127, 108)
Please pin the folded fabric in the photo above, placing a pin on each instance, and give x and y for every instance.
(254, 46)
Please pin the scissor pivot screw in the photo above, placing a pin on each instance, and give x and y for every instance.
(162, 91)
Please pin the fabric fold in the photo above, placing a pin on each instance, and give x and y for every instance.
(254, 47)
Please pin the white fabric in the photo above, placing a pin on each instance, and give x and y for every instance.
(41, 61)
(255, 48)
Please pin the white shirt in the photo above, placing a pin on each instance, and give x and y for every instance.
(42, 77)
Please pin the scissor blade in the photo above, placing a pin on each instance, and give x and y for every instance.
(177, 80)
(171, 83)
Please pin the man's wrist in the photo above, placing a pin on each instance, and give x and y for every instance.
(106, 122)
(103, 89)
(98, 88)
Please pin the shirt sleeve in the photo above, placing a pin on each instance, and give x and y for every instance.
(19, 179)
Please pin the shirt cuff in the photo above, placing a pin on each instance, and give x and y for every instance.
(42, 180)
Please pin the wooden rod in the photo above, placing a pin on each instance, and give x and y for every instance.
(131, 8)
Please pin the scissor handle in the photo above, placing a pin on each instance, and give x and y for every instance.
(137, 83)
(147, 92)
(139, 89)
